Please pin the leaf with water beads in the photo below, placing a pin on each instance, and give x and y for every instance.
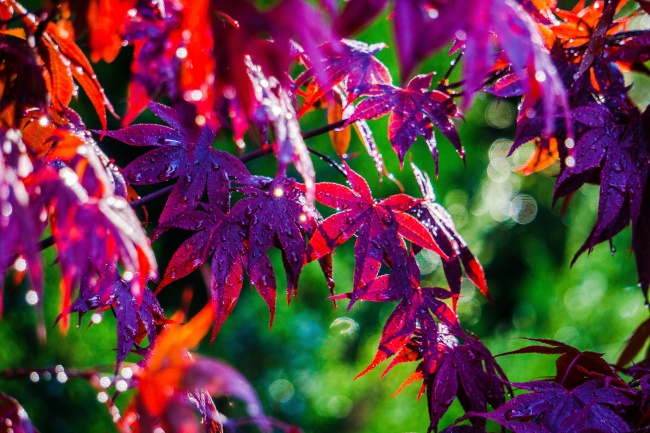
(373, 220)
(595, 405)
(183, 152)
(136, 319)
(13, 416)
(238, 242)
(413, 111)
(439, 223)
(355, 67)
(608, 147)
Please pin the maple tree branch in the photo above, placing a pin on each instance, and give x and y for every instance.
(305, 135)
(328, 160)
(255, 154)
(47, 373)
(323, 129)
(154, 195)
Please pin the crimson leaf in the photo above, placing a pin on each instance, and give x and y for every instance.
(373, 221)
(439, 223)
(239, 241)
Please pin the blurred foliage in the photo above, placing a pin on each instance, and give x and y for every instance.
(303, 368)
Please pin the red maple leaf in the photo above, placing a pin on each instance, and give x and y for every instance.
(380, 226)
(238, 242)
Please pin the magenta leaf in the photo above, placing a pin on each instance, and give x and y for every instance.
(183, 152)
(19, 226)
(413, 111)
(356, 66)
(380, 226)
(238, 242)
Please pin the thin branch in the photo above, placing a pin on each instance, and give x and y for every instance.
(154, 195)
(323, 129)
(443, 82)
(255, 154)
(329, 160)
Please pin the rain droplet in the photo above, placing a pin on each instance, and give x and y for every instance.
(570, 161)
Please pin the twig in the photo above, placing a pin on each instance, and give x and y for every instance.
(323, 129)
(328, 160)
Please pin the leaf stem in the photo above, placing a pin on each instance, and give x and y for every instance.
(444, 81)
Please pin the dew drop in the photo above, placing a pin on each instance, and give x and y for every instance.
(570, 161)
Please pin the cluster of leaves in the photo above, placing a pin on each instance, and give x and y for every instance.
(224, 70)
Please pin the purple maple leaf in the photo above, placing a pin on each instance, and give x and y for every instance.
(592, 405)
(183, 152)
(238, 242)
(135, 318)
(609, 145)
(413, 111)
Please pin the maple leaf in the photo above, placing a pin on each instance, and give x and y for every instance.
(239, 241)
(634, 49)
(136, 319)
(276, 108)
(155, 66)
(422, 28)
(355, 67)
(608, 145)
(413, 111)
(411, 314)
(63, 61)
(21, 79)
(593, 405)
(105, 19)
(467, 372)
(12, 414)
(441, 226)
(380, 226)
(90, 232)
(183, 152)
(448, 368)
(573, 367)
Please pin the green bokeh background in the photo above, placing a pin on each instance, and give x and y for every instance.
(303, 369)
